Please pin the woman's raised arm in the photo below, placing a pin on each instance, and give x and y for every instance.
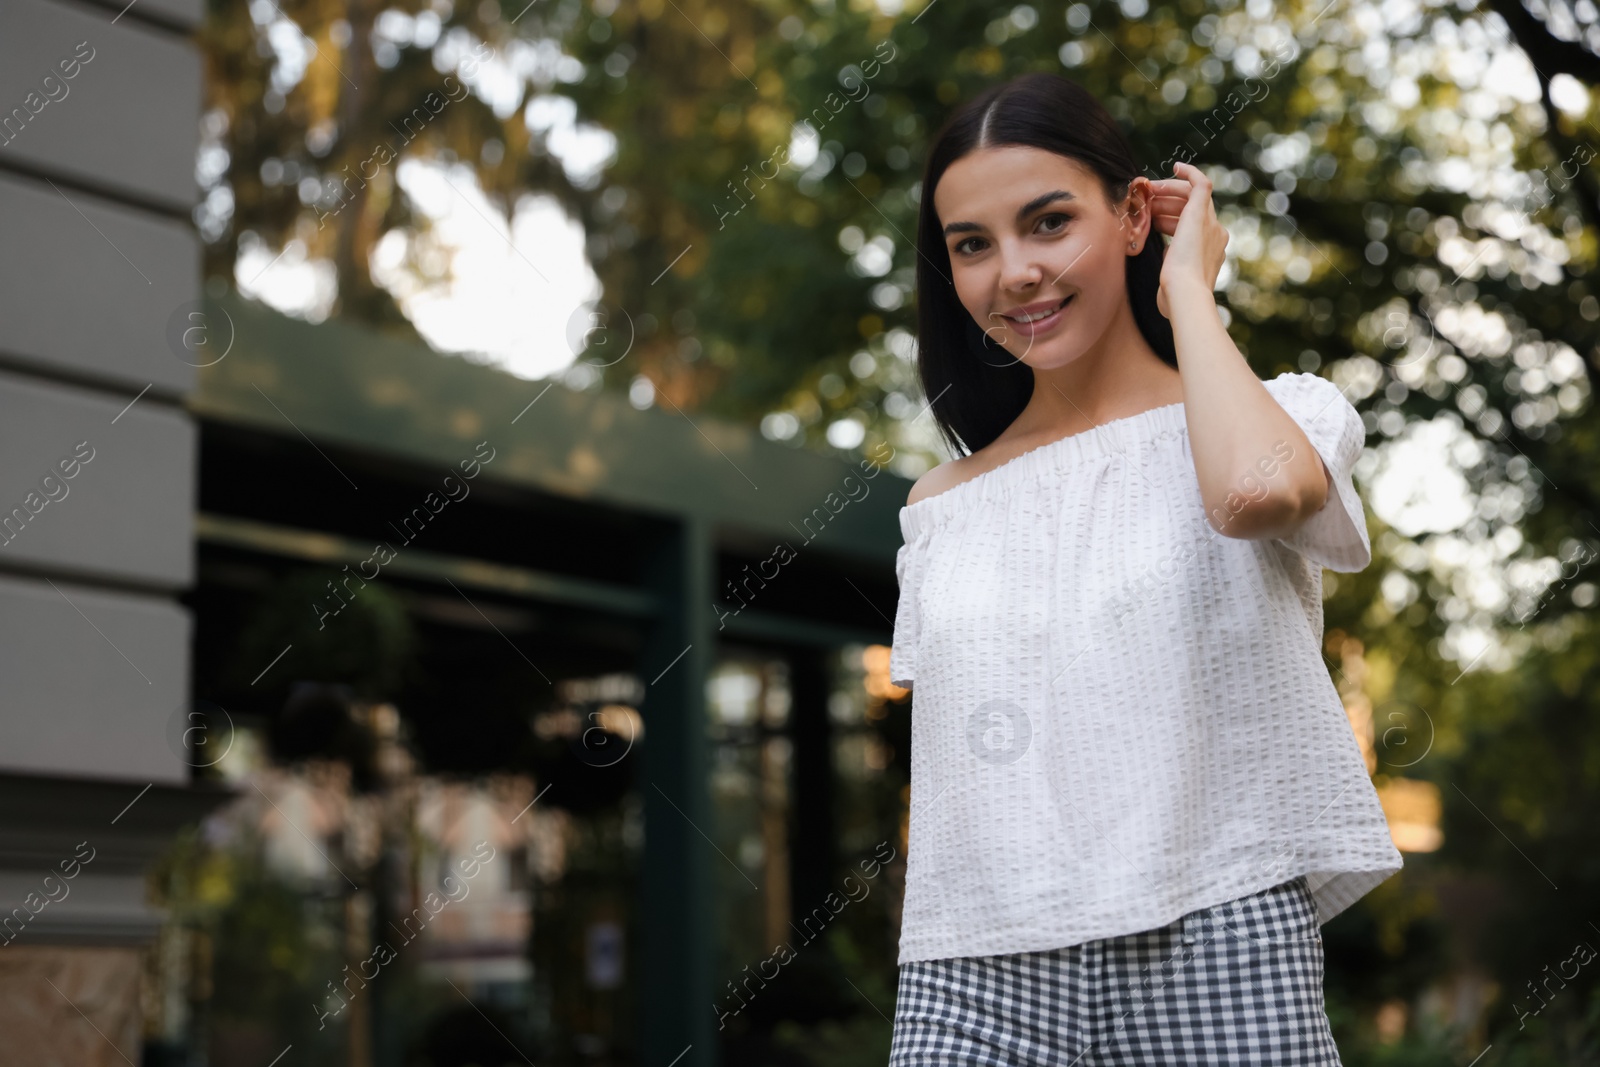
(1259, 476)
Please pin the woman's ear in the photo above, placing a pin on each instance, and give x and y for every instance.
(1137, 211)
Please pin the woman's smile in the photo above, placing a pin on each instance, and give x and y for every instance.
(1036, 320)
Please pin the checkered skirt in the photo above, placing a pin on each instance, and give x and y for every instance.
(1235, 984)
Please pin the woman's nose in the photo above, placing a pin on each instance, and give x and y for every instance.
(1018, 268)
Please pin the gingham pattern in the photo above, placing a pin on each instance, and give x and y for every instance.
(1232, 985)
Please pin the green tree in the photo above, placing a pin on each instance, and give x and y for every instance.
(1403, 222)
(312, 104)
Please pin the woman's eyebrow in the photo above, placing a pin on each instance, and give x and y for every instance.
(1022, 212)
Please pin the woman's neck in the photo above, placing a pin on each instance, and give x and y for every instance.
(1118, 375)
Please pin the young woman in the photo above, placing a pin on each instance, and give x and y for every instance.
(1135, 793)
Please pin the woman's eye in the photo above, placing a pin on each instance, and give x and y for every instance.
(1054, 222)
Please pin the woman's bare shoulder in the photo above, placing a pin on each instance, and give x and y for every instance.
(947, 476)
(939, 479)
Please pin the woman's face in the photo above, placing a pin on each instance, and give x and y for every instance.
(1030, 233)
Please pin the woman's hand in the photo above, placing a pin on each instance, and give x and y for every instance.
(1181, 207)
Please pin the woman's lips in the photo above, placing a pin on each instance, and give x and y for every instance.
(1039, 326)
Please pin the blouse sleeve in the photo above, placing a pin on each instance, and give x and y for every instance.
(1335, 537)
(907, 618)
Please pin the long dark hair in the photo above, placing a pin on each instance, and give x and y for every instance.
(976, 386)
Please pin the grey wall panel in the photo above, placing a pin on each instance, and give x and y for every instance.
(91, 680)
(93, 906)
(127, 118)
(178, 14)
(127, 510)
(89, 286)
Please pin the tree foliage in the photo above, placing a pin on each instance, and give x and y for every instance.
(1405, 220)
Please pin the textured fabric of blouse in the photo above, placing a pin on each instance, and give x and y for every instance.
(1119, 715)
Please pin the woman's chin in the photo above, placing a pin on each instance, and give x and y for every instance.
(1050, 355)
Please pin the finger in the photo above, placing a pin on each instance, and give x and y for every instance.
(1177, 193)
(1200, 204)
(1169, 193)
(1193, 174)
(1199, 188)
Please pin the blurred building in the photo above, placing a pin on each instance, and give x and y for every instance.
(169, 460)
(99, 103)
(596, 600)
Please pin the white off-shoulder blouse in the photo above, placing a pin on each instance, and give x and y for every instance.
(1119, 715)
